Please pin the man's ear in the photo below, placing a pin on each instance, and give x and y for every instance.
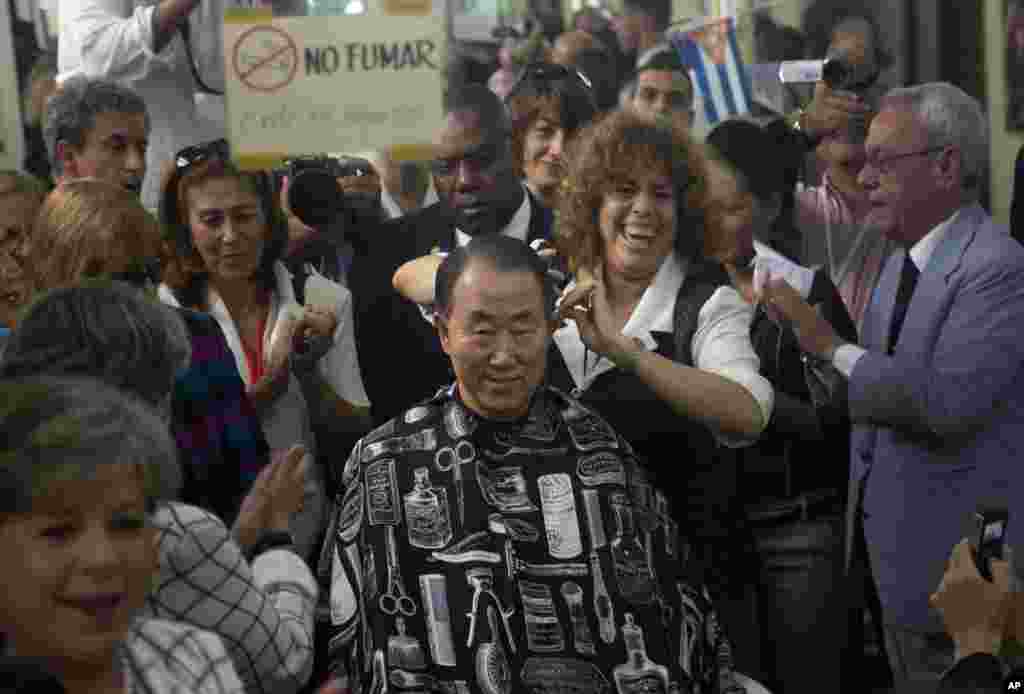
(65, 154)
(442, 332)
(950, 162)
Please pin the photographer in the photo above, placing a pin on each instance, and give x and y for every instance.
(333, 205)
(830, 214)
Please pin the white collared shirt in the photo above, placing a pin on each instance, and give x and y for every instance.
(518, 227)
(847, 356)
(721, 343)
(394, 210)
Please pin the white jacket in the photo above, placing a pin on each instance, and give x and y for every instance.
(115, 39)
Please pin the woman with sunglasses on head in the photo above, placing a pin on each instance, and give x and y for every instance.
(88, 228)
(298, 363)
(548, 105)
(259, 601)
(657, 342)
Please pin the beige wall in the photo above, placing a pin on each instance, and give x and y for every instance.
(1004, 144)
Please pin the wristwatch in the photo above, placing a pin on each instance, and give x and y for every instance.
(271, 539)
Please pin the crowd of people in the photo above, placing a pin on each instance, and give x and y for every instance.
(588, 404)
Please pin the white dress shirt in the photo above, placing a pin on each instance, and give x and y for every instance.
(518, 227)
(847, 356)
(394, 210)
(721, 345)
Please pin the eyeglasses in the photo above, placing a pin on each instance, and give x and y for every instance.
(882, 164)
(480, 160)
(196, 154)
(540, 76)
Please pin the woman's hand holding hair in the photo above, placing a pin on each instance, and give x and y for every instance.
(593, 315)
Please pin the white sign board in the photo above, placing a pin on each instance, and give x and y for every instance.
(307, 85)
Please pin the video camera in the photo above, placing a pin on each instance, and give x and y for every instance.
(316, 197)
(837, 71)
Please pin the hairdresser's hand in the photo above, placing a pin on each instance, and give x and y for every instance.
(833, 112)
(785, 306)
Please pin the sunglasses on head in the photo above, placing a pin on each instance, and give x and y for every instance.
(541, 76)
(196, 154)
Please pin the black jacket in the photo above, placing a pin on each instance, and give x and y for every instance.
(804, 448)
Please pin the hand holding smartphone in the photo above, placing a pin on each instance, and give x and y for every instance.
(989, 539)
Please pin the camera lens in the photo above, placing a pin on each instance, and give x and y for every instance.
(836, 73)
(315, 198)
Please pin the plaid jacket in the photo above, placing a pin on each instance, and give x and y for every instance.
(166, 658)
(263, 612)
(220, 440)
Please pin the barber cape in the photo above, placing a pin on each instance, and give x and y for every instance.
(530, 556)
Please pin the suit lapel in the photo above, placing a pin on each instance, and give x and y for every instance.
(934, 280)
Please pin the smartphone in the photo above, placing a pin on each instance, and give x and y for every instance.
(990, 525)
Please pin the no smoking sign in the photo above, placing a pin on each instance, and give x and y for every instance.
(265, 59)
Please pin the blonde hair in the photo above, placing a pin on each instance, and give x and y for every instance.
(83, 228)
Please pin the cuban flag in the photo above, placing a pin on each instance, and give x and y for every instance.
(712, 55)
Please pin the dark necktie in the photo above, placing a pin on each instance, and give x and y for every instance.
(908, 281)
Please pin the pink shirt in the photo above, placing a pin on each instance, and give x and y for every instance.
(853, 256)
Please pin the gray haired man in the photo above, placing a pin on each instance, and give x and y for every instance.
(95, 128)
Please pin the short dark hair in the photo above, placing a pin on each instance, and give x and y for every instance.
(479, 99)
(504, 254)
(752, 153)
(765, 167)
(659, 10)
(664, 61)
(71, 111)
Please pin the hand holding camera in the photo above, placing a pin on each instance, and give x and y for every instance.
(836, 112)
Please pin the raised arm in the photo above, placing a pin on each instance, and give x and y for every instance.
(415, 279)
(111, 38)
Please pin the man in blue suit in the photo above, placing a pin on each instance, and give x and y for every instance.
(936, 387)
